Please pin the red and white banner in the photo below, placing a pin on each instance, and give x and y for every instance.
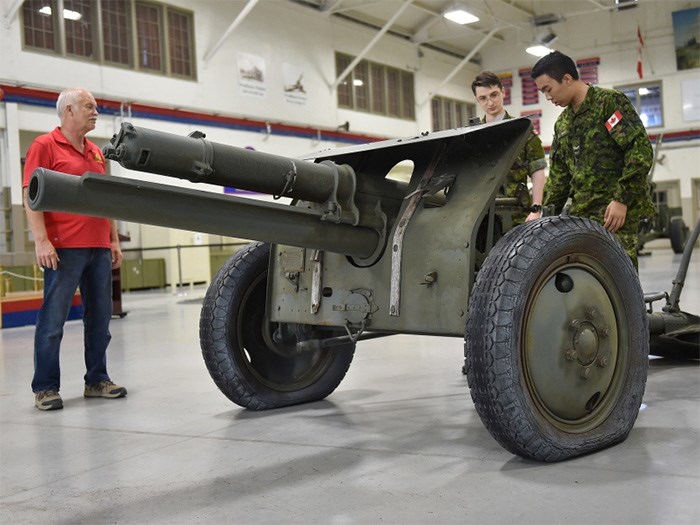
(535, 117)
(640, 45)
(531, 94)
(507, 83)
(588, 69)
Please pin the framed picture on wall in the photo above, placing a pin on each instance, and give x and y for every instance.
(686, 35)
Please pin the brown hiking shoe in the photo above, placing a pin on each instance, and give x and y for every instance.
(105, 389)
(48, 400)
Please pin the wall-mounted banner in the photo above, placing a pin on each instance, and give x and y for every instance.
(294, 88)
(534, 116)
(686, 37)
(507, 81)
(588, 69)
(251, 75)
(528, 87)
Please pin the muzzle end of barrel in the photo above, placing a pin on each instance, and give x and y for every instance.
(34, 188)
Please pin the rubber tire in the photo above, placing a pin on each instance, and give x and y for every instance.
(678, 233)
(235, 340)
(499, 371)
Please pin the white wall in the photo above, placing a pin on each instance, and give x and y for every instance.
(280, 32)
(612, 36)
(283, 32)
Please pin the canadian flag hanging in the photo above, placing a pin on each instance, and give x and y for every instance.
(640, 45)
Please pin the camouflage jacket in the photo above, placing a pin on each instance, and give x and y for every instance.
(600, 153)
(529, 160)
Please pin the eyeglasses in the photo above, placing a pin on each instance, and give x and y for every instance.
(491, 96)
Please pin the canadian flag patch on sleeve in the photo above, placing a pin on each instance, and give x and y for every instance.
(614, 119)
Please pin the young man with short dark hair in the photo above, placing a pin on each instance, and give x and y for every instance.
(601, 154)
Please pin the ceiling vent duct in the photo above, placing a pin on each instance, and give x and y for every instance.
(545, 20)
(625, 4)
(546, 38)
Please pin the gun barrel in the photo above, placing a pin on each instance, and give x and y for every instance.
(199, 160)
(195, 210)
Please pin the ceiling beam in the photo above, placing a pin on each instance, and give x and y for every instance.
(336, 8)
(11, 13)
(328, 6)
(599, 5)
(420, 35)
(241, 16)
(459, 66)
(371, 44)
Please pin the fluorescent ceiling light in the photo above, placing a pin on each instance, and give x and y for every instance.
(625, 4)
(460, 16)
(67, 13)
(358, 82)
(539, 51)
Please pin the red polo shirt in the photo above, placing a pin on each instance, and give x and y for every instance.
(54, 152)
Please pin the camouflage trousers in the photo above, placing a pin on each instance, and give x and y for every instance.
(629, 239)
(628, 235)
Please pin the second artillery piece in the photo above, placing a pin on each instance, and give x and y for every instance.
(555, 327)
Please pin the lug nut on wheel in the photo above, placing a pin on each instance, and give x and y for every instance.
(571, 354)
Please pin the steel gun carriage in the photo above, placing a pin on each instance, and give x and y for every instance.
(552, 313)
(668, 221)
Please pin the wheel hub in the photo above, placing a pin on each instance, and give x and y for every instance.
(571, 345)
(585, 343)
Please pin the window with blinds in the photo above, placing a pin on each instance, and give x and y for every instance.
(448, 113)
(376, 88)
(147, 36)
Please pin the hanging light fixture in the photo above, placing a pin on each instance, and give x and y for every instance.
(542, 43)
(459, 15)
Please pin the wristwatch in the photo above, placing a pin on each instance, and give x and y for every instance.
(536, 208)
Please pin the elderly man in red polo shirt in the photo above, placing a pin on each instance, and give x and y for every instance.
(75, 251)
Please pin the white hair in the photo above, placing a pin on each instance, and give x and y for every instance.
(67, 97)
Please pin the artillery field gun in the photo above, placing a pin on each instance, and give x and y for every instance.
(668, 222)
(554, 319)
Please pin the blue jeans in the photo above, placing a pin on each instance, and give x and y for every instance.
(90, 269)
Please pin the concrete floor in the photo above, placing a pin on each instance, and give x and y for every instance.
(398, 442)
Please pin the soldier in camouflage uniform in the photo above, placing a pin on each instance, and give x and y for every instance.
(600, 154)
(488, 90)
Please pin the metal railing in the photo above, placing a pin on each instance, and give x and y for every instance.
(38, 277)
(5, 283)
